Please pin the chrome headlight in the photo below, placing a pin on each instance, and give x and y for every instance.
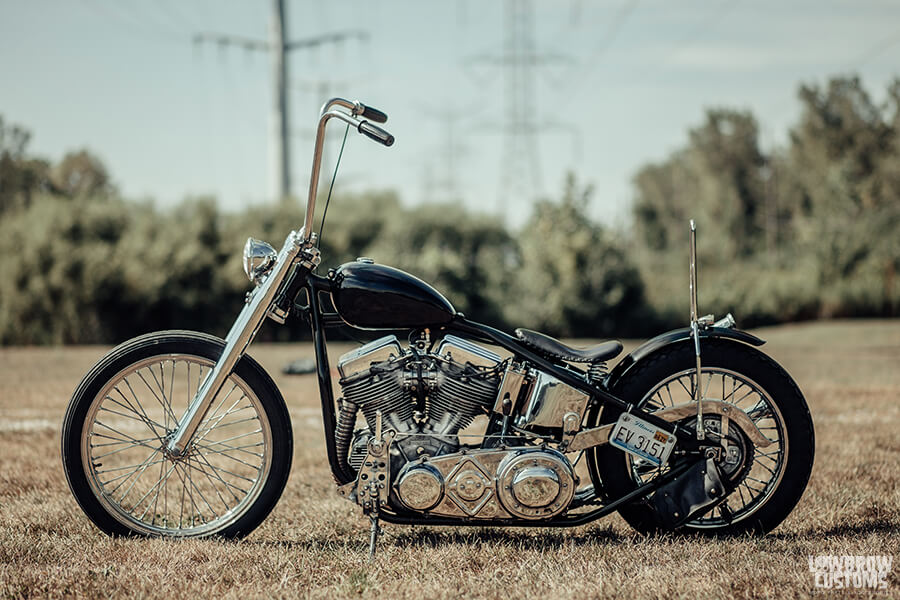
(259, 257)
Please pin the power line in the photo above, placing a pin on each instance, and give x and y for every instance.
(279, 46)
(714, 18)
(876, 49)
(564, 30)
(606, 41)
(142, 13)
(134, 25)
(176, 14)
(520, 169)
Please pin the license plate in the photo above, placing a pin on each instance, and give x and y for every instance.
(642, 439)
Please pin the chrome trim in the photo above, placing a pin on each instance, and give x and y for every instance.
(588, 438)
(550, 401)
(420, 486)
(514, 379)
(471, 486)
(598, 436)
(239, 337)
(360, 359)
(354, 107)
(522, 483)
(258, 259)
(725, 410)
(726, 322)
(326, 115)
(479, 484)
(463, 352)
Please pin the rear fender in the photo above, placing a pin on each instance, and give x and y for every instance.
(676, 336)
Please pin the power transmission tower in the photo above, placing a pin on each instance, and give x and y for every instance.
(520, 171)
(447, 182)
(521, 165)
(280, 46)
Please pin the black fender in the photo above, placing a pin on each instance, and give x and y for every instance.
(676, 336)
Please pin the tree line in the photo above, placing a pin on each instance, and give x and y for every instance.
(808, 230)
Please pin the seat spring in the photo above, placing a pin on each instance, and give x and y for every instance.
(597, 372)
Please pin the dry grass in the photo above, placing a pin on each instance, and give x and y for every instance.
(313, 545)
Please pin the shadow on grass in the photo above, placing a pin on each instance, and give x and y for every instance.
(404, 536)
(544, 539)
(428, 537)
(852, 530)
(556, 538)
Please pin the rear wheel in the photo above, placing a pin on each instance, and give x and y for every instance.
(767, 482)
(115, 434)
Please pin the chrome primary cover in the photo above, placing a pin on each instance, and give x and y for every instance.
(420, 487)
(536, 484)
(527, 483)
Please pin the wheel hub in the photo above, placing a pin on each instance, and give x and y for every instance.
(732, 459)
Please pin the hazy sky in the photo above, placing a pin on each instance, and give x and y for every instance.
(621, 83)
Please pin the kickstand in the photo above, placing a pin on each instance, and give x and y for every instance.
(726, 512)
(373, 536)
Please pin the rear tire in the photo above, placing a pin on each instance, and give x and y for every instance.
(118, 422)
(771, 392)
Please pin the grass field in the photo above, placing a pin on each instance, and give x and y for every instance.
(314, 543)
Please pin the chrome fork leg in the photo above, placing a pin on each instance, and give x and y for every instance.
(240, 336)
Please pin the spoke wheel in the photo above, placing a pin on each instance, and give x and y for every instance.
(755, 472)
(767, 482)
(125, 411)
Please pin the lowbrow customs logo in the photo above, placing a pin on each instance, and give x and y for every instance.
(833, 572)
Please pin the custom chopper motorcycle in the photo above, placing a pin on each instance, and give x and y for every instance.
(450, 422)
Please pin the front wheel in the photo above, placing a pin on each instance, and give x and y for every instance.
(767, 482)
(120, 419)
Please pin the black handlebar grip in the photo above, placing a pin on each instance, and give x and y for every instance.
(376, 133)
(373, 114)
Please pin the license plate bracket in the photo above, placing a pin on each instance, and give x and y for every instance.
(642, 439)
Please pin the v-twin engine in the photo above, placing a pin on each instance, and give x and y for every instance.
(426, 397)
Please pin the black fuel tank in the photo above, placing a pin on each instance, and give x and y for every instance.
(381, 297)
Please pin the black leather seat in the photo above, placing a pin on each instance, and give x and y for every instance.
(553, 348)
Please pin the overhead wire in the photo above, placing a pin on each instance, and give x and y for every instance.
(138, 27)
(876, 49)
(146, 15)
(620, 18)
(176, 14)
(714, 18)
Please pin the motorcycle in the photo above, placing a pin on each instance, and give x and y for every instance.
(183, 434)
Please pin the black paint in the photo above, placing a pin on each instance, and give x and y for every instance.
(370, 296)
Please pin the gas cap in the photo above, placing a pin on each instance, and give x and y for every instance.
(366, 260)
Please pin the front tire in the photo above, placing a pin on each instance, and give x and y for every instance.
(768, 486)
(118, 422)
